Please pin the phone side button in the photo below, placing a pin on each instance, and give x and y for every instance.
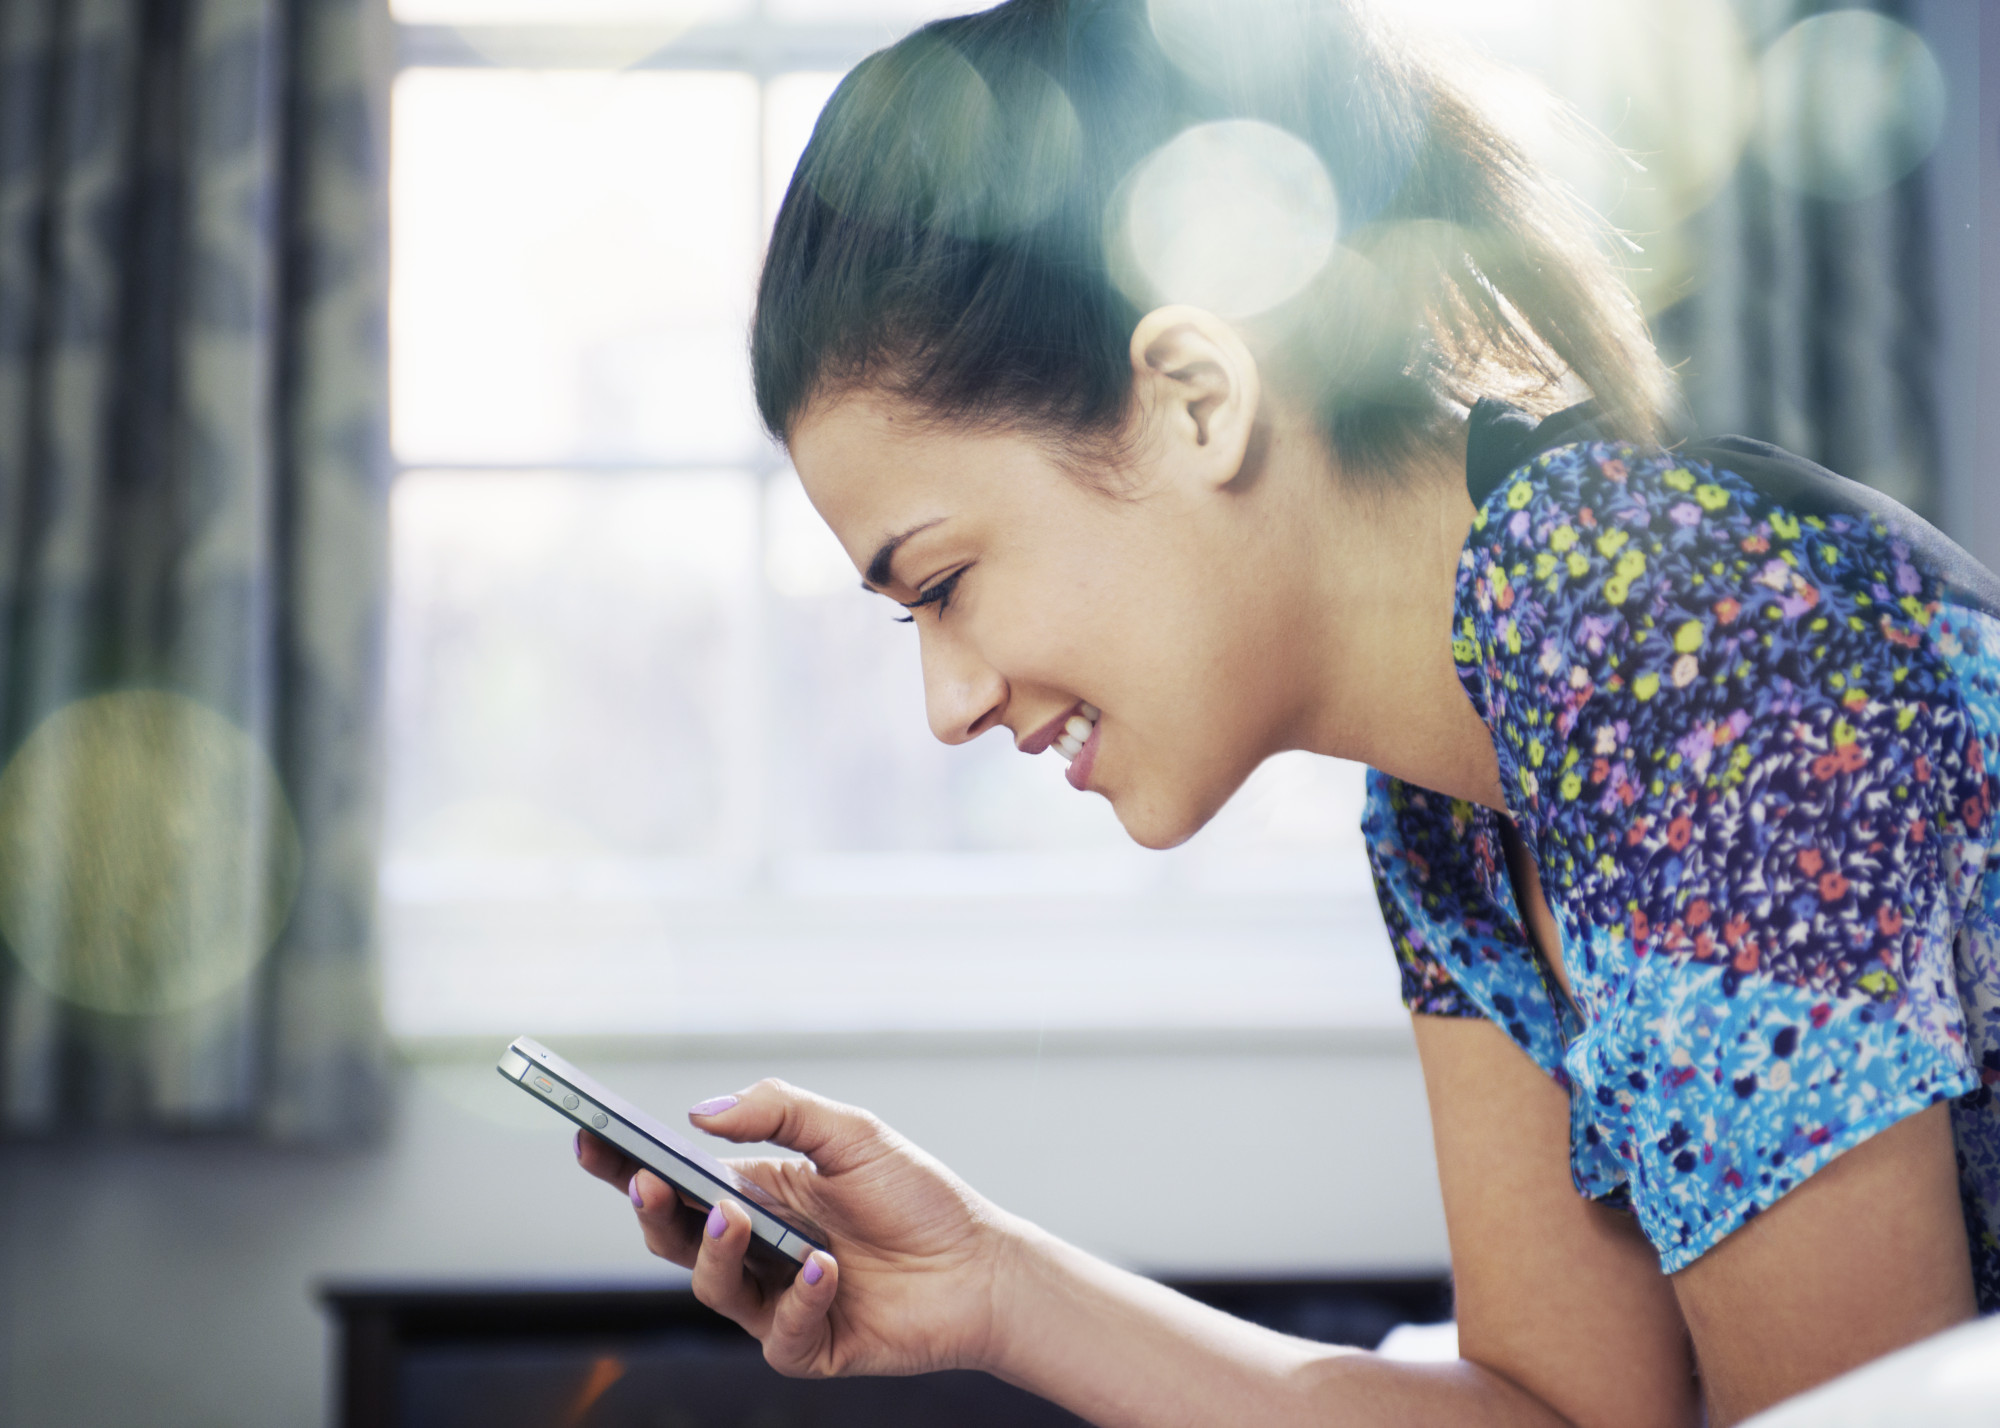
(600, 1120)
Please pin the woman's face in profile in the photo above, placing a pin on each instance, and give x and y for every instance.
(1041, 595)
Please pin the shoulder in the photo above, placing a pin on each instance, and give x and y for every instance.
(1604, 573)
(1615, 522)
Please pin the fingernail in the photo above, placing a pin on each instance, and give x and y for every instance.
(579, 1145)
(718, 1223)
(715, 1106)
(814, 1274)
(638, 1200)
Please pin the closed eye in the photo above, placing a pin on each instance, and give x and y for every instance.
(938, 594)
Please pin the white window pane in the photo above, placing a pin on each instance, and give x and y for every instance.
(792, 103)
(568, 12)
(905, 14)
(574, 261)
(566, 662)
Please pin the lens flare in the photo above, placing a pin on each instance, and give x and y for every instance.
(1235, 217)
(1644, 111)
(1850, 102)
(148, 858)
(959, 157)
(1238, 47)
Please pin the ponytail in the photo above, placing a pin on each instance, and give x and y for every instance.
(951, 232)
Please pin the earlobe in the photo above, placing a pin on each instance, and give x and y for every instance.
(1198, 384)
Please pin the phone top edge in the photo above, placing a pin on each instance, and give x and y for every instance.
(768, 1224)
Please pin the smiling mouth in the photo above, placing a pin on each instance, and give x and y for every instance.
(1076, 731)
(1073, 734)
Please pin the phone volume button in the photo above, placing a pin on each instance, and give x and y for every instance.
(571, 1102)
(600, 1120)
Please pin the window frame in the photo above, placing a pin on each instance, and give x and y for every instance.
(596, 907)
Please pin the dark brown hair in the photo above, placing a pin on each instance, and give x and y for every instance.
(946, 235)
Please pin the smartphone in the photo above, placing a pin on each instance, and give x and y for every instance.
(667, 1153)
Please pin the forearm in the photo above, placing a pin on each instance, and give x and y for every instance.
(1118, 1350)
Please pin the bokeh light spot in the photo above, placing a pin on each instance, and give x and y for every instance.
(1850, 102)
(1235, 217)
(148, 858)
(955, 155)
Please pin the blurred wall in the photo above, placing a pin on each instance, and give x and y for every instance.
(171, 1285)
(1964, 184)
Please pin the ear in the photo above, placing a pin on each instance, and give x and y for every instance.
(1198, 386)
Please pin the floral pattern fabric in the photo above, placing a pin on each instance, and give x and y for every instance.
(1752, 746)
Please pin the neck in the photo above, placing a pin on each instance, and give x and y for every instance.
(1388, 692)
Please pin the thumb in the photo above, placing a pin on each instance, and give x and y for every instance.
(834, 1137)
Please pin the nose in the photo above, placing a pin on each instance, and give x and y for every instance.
(964, 696)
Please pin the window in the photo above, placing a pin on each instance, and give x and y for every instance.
(657, 766)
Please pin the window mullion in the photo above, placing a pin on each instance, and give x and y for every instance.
(758, 47)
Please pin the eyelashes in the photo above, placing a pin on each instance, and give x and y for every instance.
(938, 595)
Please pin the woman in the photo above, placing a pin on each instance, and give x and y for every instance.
(1682, 754)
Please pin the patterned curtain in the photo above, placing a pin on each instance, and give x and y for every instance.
(192, 552)
(1815, 325)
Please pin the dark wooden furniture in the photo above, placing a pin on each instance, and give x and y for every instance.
(414, 1356)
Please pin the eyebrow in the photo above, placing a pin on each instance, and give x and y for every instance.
(879, 574)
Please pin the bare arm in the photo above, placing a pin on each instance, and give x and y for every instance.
(1120, 1350)
(1564, 1316)
(926, 1274)
(1563, 1296)
(1867, 1256)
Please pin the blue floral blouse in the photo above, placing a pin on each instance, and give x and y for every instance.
(1748, 717)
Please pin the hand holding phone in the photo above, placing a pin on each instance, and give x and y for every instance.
(916, 1255)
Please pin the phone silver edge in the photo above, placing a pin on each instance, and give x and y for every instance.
(578, 1097)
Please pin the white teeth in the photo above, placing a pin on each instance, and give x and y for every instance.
(1092, 713)
(1076, 731)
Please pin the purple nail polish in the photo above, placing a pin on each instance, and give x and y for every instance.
(579, 1145)
(814, 1274)
(638, 1200)
(714, 1106)
(718, 1223)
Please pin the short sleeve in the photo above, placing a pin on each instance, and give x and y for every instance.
(1460, 948)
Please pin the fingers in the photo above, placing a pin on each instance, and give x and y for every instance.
(719, 1280)
(790, 1319)
(671, 1227)
(604, 1160)
(799, 1335)
(836, 1138)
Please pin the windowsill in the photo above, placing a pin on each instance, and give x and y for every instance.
(698, 957)
(1390, 1038)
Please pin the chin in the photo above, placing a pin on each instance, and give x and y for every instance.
(1161, 824)
(1162, 813)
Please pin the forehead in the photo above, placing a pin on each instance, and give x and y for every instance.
(875, 468)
